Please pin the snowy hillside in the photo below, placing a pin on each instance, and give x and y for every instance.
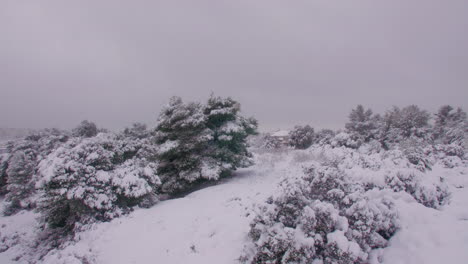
(211, 225)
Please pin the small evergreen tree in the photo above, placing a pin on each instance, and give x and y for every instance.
(85, 129)
(21, 167)
(182, 137)
(400, 124)
(450, 125)
(362, 124)
(301, 137)
(228, 150)
(199, 143)
(137, 130)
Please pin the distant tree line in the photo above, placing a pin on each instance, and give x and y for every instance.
(395, 126)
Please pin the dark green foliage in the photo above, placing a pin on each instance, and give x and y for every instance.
(362, 124)
(85, 129)
(450, 125)
(400, 124)
(201, 142)
(301, 137)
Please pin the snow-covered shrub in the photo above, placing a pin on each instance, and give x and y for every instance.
(450, 150)
(344, 139)
(270, 142)
(85, 129)
(201, 142)
(95, 178)
(417, 152)
(21, 166)
(324, 137)
(428, 192)
(3, 176)
(322, 217)
(450, 126)
(400, 124)
(301, 137)
(137, 130)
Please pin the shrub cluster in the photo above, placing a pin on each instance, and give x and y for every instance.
(322, 217)
(96, 178)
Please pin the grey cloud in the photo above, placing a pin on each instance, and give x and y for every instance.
(288, 62)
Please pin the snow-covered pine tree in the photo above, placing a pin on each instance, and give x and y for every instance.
(362, 124)
(450, 125)
(228, 148)
(301, 137)
(3, 176)
(199, 143)
(182, 137)
(21, 166)
(137, 130)
(400, 124)
(85, 129)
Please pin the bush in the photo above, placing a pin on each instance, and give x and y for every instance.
(301, 137)
(344, 139)
(85, 129)
(324, 136)
(94, 179)
(19, 170)
(322, 216)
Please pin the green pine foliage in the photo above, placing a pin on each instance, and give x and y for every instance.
(201, 142)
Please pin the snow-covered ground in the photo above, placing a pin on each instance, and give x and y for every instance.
(211, 225)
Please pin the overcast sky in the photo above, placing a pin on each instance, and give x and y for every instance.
(288, 62)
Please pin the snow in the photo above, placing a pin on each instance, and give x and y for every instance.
(280, 133)
(431, 236)
(211, 225)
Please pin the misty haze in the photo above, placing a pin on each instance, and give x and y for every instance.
(234, 132)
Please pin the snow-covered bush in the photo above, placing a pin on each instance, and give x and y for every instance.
(301, 137)
(3, 176)
(96, 178)
(389, 170)
(201, 142)
(270, 142)
(19, 170)
(324, 136)
(85, 129)
(322, 217)
(425, 191)
(450, 126)
(400, 124)
(417, 152)
(137, 130)
(344, 139)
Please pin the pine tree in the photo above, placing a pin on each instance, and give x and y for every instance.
(400, 124)
(362, 124)
(182, 137)
(450, 126)
(21, 168)
(230, 132)
(199, 143)
(85, 129)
